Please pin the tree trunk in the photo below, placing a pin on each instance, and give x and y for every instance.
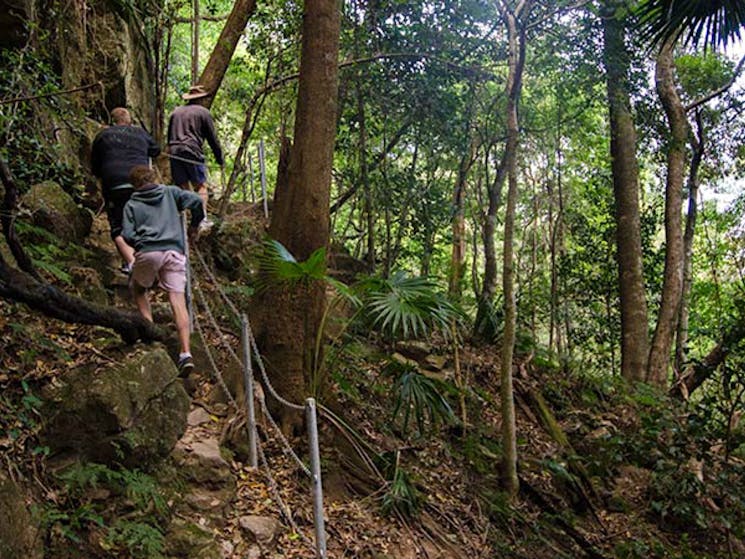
(300, 220)
(217, 65)
(365, 180)
(458, 256)
(672, 284)
(516, 63)
(489, 283)
(699, 371)
(195, 42)
(634, 325)
(7, 218)
(681, 339)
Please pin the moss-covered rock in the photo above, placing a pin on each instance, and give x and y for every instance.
(54, 210)
(19, 538)
(133, 413)
(88, 285)
(187, 539)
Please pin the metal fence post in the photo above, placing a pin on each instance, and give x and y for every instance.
(248, 377)
(189, 296)
(315, 468)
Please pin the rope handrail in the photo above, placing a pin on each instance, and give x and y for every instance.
(250, 347)
(265, 410)
(283, 508)
(215, 369)
(252, 339)
(216, 326)
(217, 285)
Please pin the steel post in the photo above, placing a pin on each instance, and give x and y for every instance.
(315, 469)
(248, 377)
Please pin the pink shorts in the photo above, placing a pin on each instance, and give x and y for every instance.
(169, 267)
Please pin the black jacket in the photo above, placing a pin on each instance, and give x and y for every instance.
(116, 150)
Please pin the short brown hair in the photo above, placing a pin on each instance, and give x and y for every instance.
(121, 116)
(140, 175)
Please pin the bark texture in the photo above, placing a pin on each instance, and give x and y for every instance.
(681, 339)
(217, 65)
(625, 168)
(516, 37)
(458, 255)
(300, 220)
(672, 284)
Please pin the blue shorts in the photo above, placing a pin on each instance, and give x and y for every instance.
(182, 173)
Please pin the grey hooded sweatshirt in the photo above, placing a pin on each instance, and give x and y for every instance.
(152, 221)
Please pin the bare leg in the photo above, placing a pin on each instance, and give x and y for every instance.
(125, 251)
(201, 189)
(181, 317)
(142, 301)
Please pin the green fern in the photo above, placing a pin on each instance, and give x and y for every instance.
(139, 540)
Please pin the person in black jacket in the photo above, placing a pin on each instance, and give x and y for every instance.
(116, 150)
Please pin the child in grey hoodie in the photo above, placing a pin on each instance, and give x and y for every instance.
(152, 225)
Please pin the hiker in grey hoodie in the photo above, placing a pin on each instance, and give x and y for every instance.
(152, 225)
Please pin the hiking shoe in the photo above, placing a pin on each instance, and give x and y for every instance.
(205, 226)
(185, 366)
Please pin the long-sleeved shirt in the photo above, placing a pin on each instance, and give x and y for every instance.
(152, 220)
(116, 150)
(188, 128)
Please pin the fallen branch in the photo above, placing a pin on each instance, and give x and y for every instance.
(52, 94)
(21, 287)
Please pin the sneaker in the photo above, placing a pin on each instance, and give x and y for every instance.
(205, 225)
(185, 366)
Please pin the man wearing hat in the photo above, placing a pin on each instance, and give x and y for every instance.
(188, 127)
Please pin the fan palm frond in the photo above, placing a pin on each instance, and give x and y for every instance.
(406, 305)
(717, 22)
(278, 265)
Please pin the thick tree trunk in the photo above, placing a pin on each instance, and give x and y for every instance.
(217, 65)
(634, 325)
(513, 89)
(672, 284)
(291, 315)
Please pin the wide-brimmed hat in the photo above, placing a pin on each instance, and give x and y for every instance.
(195, 92)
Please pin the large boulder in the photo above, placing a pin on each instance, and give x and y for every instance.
(209, 485)
(132, 413)
(54, 210)
(19, 534)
